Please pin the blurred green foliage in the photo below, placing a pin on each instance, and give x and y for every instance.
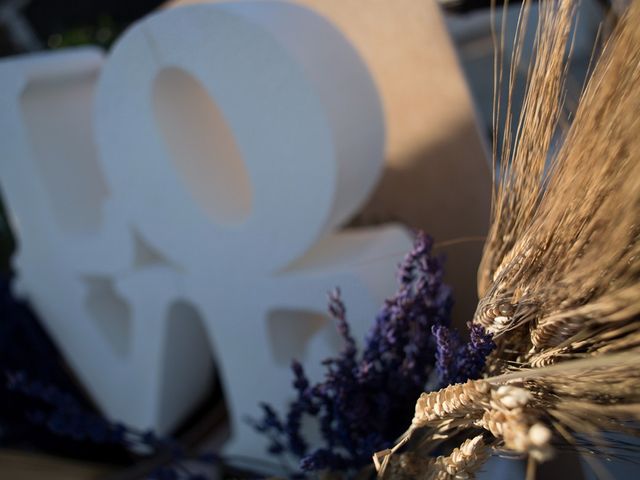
(102, 33)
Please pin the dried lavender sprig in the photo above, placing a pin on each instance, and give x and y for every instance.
(473, 359)
(447, 349)
(457, 362)
(63, 415)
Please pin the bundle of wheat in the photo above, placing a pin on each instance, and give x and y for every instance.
(560, 278)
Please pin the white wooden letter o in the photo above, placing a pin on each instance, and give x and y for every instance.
(260, 125)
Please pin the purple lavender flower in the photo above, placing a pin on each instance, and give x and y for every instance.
(64, 416)
(339, 312)
(473, 359)
(366, 401)
(447, 345)
(457, 362)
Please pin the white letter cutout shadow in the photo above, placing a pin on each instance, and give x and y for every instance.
(235, 140)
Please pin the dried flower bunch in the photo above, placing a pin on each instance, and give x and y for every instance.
(365, 400)
(560, 278)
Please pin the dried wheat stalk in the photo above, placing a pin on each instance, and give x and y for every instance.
(471, 454)
(560, 278)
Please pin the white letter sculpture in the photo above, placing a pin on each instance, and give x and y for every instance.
(193, 210)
